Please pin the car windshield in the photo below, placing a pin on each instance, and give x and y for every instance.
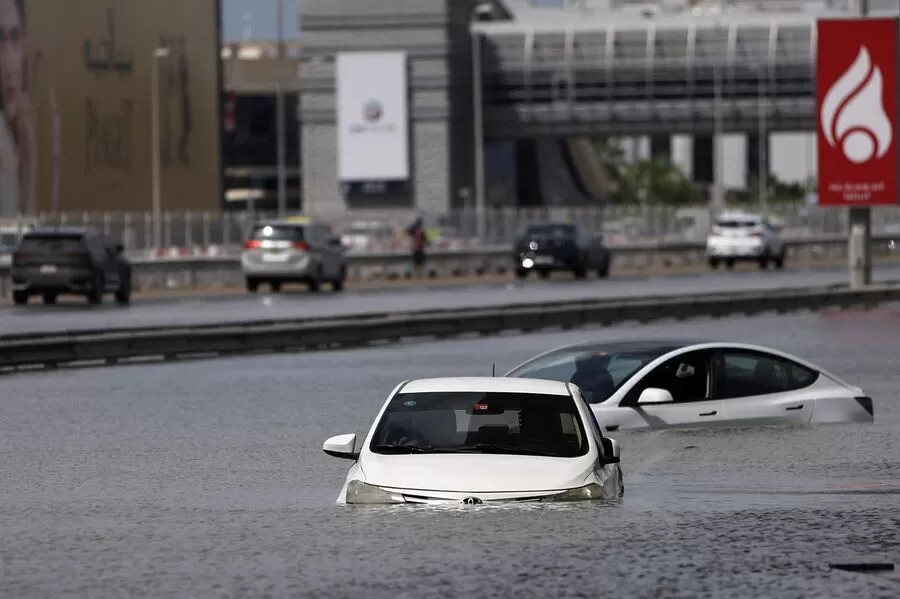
(277, 233)
(8, 241)
(596, 372)
(550, 231)
(51, 244)
(481, 422)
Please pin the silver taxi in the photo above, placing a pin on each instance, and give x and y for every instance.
(293, 251)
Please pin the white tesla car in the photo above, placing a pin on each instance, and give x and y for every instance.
(480, 440)
(658, 384)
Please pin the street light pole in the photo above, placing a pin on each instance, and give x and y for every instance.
(155, 183)
(478, 120)
(718, 190)
(859, 243)
(762, 146)
(279, 116)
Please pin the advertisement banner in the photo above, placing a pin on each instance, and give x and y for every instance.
(372, 122)
(856, 98)
(76, 100)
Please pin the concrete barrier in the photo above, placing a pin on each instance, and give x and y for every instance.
(225, 271)
(204, 341)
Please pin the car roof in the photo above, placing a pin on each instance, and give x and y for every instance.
(631, 345)
(496, 384)
(62, 230)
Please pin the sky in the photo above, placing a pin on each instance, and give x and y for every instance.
(261, 15)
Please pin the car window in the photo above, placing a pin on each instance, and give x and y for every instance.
(51, 244)
(686, 377)
(745, 374)
(551, 231)
(732, 223)
(597, 373)
(277, 233)
(475, 422)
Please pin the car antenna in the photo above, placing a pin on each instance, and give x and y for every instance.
(493, 369)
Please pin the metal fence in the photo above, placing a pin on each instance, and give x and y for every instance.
(220, 233)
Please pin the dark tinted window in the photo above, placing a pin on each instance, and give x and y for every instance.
(552, 231)
(686, 377)
(745, 374)
(278, 233)
(51, 244)
(8, 241)
(597, 373)
(477, 422)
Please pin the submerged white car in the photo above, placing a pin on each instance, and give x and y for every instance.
(480, 440)
(659, 384)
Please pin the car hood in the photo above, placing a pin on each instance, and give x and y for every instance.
(475, 473)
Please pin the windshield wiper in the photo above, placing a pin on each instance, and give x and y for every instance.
(495, 448)
(403, 448)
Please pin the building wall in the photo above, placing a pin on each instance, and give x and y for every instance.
(430, 31)
(81, 135)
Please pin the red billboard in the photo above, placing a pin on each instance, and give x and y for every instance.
(856, 99)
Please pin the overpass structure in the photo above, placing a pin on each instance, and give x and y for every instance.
(681, 76)
(544, 80)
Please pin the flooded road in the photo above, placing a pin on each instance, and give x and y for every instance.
(207, 480)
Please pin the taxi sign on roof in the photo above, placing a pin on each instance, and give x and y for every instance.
(298, 219)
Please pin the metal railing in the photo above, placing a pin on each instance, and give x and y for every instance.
(209, 233)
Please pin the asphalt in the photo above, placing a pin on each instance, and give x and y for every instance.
(77, 315)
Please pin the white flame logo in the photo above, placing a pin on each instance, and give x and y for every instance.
(853, 116)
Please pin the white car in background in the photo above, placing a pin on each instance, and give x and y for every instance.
(664, 384)
(741, 236)
(480, 440)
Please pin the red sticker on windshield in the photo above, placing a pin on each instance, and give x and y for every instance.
(481, 406)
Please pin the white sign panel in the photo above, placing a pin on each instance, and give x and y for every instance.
(372, 117)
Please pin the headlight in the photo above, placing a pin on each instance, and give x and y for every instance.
(585, 493)
(359, 492)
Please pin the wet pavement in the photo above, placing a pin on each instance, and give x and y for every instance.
(75, 314)
(206, 480)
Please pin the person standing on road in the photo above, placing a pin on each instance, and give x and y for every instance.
(419, 240)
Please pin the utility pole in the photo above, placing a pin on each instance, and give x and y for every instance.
(859, 244)
(279, 116)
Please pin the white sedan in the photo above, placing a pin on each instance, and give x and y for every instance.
(480, 440)
(659, 384)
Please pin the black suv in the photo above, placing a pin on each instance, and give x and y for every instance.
(50, 261)
(560, 246)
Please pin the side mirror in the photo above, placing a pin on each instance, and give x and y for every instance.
(341, 446)
(611, 451)
(652, 395)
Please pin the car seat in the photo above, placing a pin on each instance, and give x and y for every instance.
(765, 377)
(592, 377)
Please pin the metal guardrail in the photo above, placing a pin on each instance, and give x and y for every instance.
(228, 339)
(217, 271)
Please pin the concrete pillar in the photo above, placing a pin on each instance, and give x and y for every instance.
(661, 146)
(703, 159)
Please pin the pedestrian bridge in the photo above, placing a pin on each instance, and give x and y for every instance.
(683, 75)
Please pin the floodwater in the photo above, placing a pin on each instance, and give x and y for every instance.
(206, 480)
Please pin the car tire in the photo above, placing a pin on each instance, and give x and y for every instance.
(544, 274)
(764, 263)
(729, 263)
(779, 261)
(714, 263)
(275, 286)
(313, 282)
(49, 298)
(603, 271)
(20, 298)
(579, 272)
(337, 285)
(521, 273)
(95, 293)
(252, 285)
(123, 293)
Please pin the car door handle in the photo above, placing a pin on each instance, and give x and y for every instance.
(792, 408)
(713, 413)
